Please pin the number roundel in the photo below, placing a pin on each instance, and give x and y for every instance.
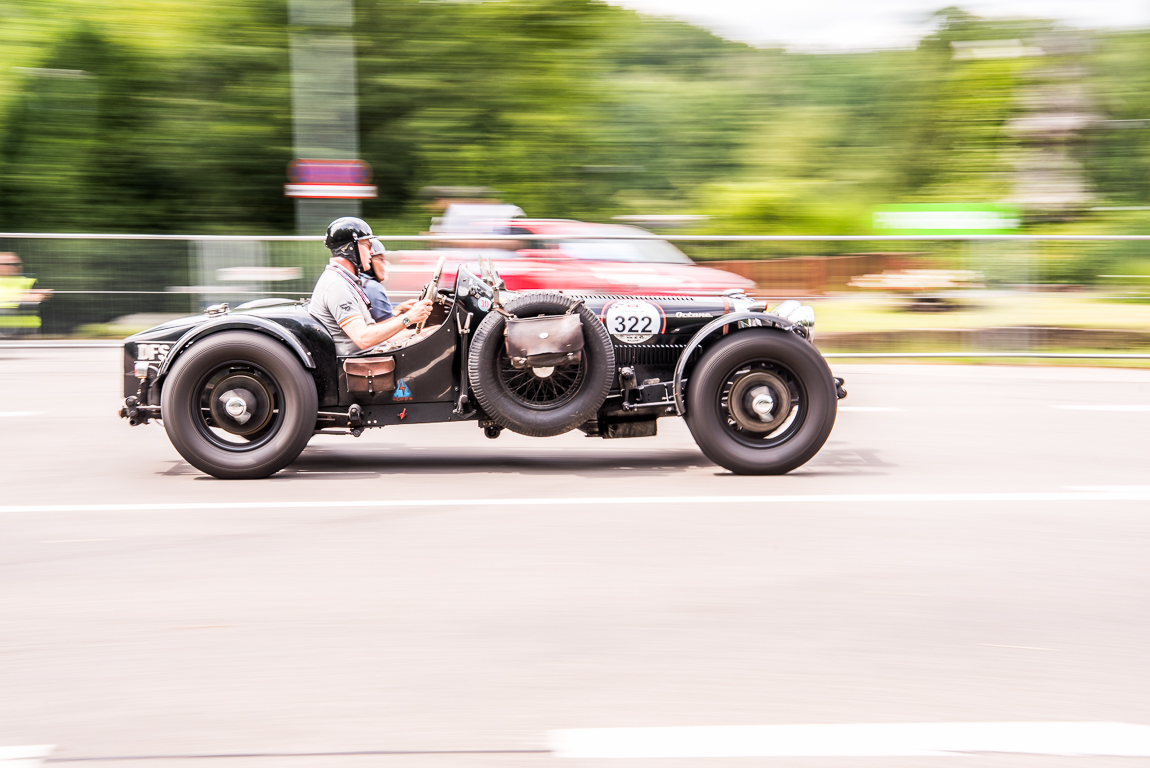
(633, 321)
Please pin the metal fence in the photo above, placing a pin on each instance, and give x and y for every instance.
(947, 295)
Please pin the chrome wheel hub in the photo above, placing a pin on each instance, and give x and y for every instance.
(759, 402)
(763, 404)
(236, 408)
(241, 403)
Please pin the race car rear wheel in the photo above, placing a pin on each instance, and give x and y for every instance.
(239, 405)
(761, 402)
(540, 402)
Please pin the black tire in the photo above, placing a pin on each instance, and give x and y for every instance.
(282, 418)
(725, 427)
(570, 396)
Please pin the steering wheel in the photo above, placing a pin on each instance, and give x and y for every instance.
(431, 290)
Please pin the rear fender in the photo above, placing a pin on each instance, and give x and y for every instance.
(238, 322)
(765, 321)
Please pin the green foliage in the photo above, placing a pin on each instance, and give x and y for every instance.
(111, 136)
(176, 116)
(1119, 148)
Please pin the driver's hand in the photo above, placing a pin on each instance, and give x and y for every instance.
(420, 311)
(405, 306)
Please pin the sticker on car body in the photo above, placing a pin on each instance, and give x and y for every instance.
(632, 321)
(152, 352)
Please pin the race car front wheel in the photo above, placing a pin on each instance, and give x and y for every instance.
(761, 402)
(239, 405)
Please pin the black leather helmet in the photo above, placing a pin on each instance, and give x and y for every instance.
(347, 229)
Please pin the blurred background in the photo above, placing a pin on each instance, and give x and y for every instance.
(255, 122)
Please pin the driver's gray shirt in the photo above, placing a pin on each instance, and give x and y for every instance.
(334, 302)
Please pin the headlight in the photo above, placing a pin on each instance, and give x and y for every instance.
(801, 315)
(804, 315)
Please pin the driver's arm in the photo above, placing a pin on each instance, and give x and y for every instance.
(365, 335)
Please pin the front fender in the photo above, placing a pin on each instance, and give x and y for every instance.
(765, 320)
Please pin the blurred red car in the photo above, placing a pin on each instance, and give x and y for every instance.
(598, 259)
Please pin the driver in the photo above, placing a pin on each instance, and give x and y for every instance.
(339, 301)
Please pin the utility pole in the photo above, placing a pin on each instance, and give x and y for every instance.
(326, 179)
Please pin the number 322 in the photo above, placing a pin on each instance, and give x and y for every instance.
(632, 324)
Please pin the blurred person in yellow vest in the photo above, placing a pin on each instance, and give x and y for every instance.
(18, 302)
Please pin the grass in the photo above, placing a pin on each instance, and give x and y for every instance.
(982, 310)
(1014, 361)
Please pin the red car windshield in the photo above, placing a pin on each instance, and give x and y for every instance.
(648, 251)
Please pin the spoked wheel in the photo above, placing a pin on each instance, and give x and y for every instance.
(541, 388)
(239, 405)
(761, 402)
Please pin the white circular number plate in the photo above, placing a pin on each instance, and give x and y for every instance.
(633, 322)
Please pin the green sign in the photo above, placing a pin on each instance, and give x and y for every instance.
(948, 219)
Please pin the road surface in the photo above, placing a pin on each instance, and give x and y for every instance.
(970, 546)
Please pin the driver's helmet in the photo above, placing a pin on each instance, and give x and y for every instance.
(342, 236)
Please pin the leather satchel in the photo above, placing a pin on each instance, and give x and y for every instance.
(545, 341)
(370, 375)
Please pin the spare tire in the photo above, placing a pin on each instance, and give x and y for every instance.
(541, 402)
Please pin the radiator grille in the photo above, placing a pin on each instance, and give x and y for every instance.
(626, 296)
(652, 354)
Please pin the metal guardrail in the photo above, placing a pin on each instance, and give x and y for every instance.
(61, 344)
(989, 355)
(443, 237)
(99, 276)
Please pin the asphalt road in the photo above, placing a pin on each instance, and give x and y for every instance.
(462, 634)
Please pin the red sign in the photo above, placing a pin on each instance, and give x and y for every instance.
(329, 179)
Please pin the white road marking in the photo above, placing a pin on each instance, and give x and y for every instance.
(1018, 647)
(1086, 493)
(857, 740)
(24, 757)
(1104, 488)
(867, 408)
(71, 541)
(1120, 408)
(19, 413)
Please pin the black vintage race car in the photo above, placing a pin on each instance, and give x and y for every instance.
(240, 392)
